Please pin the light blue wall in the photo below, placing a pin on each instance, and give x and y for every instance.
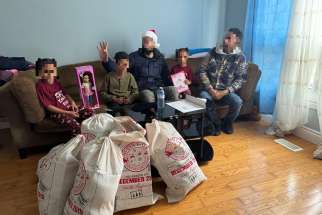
(213, 22)
(69, 30)
(235, 14)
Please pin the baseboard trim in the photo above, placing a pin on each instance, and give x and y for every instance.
(308, 134)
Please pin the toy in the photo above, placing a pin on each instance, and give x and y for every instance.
(87, 86)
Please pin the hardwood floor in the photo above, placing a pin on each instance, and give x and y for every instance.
(250, 174)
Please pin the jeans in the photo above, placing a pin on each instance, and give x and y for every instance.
(232, 100)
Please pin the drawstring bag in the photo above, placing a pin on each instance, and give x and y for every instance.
(173, 159)
(95, 184)
(56, 173)
(135, 185)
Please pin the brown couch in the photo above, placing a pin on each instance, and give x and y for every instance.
(28, 124)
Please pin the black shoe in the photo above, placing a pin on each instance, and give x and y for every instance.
(216, 132)
(227, 127)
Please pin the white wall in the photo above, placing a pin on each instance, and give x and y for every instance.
(69, 30)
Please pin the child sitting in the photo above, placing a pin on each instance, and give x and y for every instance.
(119, 87)
(59, 106)
(182, 55)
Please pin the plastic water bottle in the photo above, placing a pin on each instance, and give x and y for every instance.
(160, 102)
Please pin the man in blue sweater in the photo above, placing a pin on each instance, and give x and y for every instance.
(148, 67)
(222, 73)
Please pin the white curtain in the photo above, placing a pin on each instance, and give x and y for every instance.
(318, 90)
(300, 67)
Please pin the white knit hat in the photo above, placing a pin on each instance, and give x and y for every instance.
(151, 33)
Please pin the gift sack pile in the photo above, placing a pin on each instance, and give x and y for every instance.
(107, 168)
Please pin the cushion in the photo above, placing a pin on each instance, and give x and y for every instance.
(24, 89)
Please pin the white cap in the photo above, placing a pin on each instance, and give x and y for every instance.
(151, 33)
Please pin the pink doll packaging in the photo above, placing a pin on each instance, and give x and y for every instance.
(87, 86)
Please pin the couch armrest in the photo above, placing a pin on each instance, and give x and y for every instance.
(20, 129)
(23, 89)
(249, 87)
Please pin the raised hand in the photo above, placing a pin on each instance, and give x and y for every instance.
(103, 51)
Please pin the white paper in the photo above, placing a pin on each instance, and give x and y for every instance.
(189, 104)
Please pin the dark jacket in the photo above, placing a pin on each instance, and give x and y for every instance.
(149, 73)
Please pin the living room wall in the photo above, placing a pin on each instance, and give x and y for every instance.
(236, 14)
(70, 30)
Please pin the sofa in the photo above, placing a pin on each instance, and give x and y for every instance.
(30, 128)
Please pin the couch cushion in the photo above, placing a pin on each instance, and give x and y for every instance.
(48, 126)
(24, 89)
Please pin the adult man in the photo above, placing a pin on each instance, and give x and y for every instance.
(148, 67)
(222, 73)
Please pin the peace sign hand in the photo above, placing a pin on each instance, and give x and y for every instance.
(103, 51)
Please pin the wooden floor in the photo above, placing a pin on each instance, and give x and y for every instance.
(249, 175)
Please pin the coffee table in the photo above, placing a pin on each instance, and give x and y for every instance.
(199, 146)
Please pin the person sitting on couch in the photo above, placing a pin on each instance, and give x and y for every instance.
(59, 106)
(119, 87)
(149, 68)
(182, 56)
(222, 73)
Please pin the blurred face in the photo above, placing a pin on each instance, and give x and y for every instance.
(48, 72)
(86, 79)
(122, 65)
(148, 43)
(230, 42)
(183, 58)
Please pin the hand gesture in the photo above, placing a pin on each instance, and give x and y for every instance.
(187, 82)
(118, 100)
(74, 107)
(73, 114)
(103, 51)
(126, 101)
(218, 94)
